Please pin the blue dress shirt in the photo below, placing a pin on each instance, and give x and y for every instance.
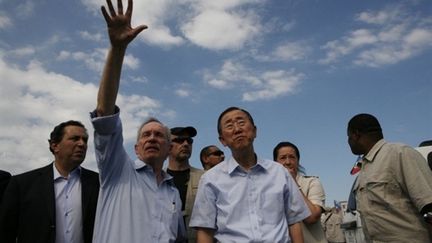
(254, 206)
(68, 207)
(132, 207)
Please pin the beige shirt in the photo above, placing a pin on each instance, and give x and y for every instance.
(394, 184)
(192, 189)
(333, 231)
(314, 191)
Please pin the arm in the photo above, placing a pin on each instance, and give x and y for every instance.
(296, 233)
(315, 211)
(9, 213)
(314, 197)
(121, 34)
(205, 235)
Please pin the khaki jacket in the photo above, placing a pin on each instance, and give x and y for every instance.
(192, 189)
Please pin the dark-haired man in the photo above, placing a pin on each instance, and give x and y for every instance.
(246, 198)
(394, 187)
(186, 177)
(210, 156)
(55, 203)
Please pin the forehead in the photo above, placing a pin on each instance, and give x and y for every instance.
(153, 126)
(212, 149)
(74, 130)
(234, 115)
(286, 150)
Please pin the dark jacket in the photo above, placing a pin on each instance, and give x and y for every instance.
(27, 212)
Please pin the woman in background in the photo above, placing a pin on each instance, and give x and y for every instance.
(288, 155)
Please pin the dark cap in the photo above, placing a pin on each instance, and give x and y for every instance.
(178, 131)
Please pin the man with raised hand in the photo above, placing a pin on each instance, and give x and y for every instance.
(138, 201)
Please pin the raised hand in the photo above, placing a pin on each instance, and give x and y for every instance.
(120, 30)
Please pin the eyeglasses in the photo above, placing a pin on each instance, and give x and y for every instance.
(217, 153)
(181, 140)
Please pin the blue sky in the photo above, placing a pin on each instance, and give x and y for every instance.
(302, 68)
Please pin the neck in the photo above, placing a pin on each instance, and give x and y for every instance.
(176, 165)
(245, 158)
(63, 170)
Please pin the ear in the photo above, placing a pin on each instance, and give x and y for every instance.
(54, 147)
(136, 149)
(255, 132)
(222, 141)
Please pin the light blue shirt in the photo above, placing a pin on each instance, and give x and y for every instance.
(68, 207)
(254, 206)
(132, 207)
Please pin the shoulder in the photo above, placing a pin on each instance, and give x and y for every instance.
(89, 173)
(4, 174)
(308, 180)
(271, 166)
(36, 172)
(311, 178)
(197, 171)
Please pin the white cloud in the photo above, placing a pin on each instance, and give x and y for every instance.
(392, 35)
(410, 45)
(33, 100)
(389, 14)
(289, 51)
(214, 25)
(182, 92)
(25, 9)
(216, 29)
(5, 21)
(24, 51)
(255, 86)
(85, 35)
(275, 84)
(96, 60)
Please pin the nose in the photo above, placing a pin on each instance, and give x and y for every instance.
(286, 162)
(237, 127)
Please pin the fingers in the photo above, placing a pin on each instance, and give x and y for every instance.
(106, 16)
(120, 7)
(129, 8)
(111, 8)
(138, 30)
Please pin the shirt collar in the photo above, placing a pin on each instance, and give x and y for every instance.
(140, 165)
(233, 165)
(370, 156)
(74, 173)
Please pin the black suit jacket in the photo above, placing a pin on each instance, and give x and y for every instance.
(4, 180)
(28, 208)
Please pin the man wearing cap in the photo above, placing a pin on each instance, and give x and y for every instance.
(186, 177)
(394, 187)
(210, 156)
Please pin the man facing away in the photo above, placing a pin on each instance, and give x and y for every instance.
(138, 201)
(55, 203)
(186, 177)
(246, 198)
(394, 187)
(210, 156)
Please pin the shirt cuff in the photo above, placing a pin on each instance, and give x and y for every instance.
(105, 125)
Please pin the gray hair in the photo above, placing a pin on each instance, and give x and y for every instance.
(153, 119)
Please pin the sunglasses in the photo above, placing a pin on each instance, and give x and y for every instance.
(181, 140)
(217, 153)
